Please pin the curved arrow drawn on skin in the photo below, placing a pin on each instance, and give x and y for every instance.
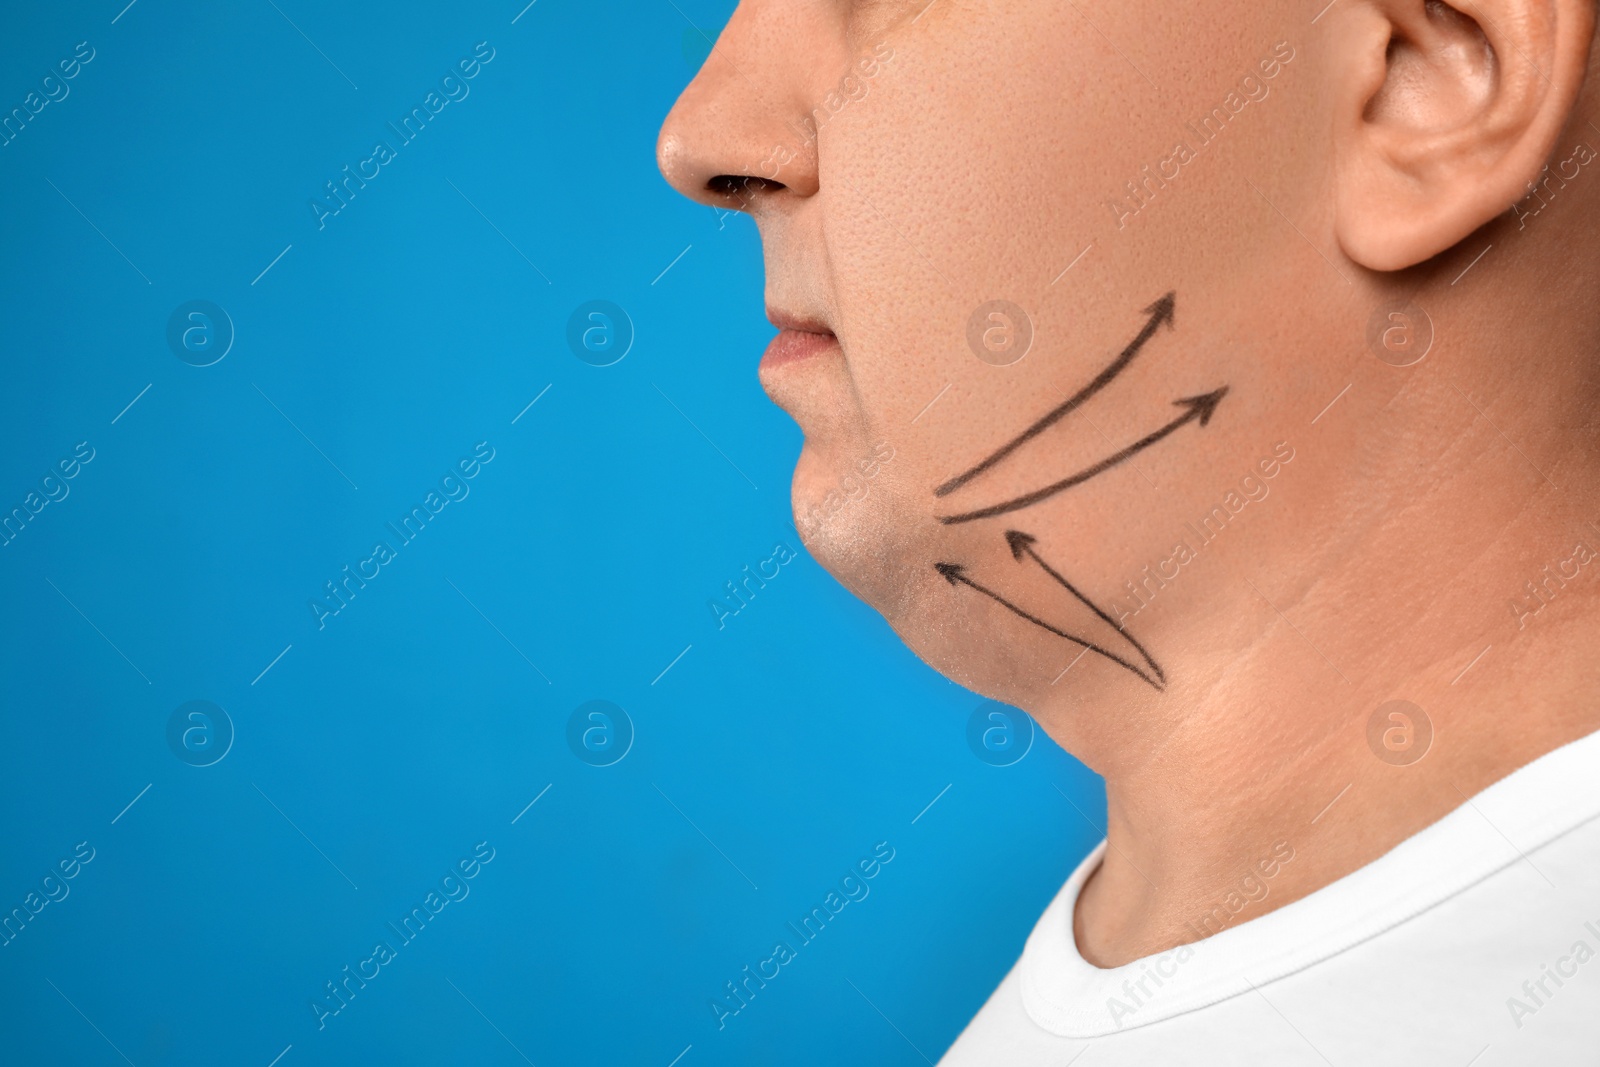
(1159, 312)
(1200, 407)
(1022, 543)
(954, 574)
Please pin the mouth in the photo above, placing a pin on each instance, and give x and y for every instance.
(799, 339)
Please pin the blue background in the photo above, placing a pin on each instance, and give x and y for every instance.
(370, 755)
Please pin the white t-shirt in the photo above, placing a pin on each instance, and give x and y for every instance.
(1477, 941)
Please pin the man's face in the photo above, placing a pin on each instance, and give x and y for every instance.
(1051, 242)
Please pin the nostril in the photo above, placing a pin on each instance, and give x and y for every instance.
(743, 187)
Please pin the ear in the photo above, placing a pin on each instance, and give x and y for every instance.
(1445, 112)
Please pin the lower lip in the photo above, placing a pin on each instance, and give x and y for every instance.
(792, 346)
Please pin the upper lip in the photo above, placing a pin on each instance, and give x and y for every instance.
(789, 320)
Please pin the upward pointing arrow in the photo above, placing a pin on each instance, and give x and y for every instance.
(1161, 313)
(955, 574)
(1200, 408)
(1022, 545)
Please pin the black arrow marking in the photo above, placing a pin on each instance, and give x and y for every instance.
(1022, 544)
(954, 573)
(1159, 312)
(1200, 407)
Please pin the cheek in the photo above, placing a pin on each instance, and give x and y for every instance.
(924, 222)
(935, 201)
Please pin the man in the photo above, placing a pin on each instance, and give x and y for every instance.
(1239, 365)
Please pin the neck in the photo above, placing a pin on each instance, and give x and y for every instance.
(1451, 574)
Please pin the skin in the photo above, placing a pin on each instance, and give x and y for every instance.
(1384, 557)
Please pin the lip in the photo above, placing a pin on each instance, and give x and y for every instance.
(798, 339)
(792, 346)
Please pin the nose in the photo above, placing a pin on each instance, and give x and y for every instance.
(741, 135)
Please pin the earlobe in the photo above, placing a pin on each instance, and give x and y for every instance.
(1444, 114)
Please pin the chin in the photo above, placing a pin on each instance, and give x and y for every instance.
(862, 513)
(850, 513)
(857, 514)
(985, 650)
